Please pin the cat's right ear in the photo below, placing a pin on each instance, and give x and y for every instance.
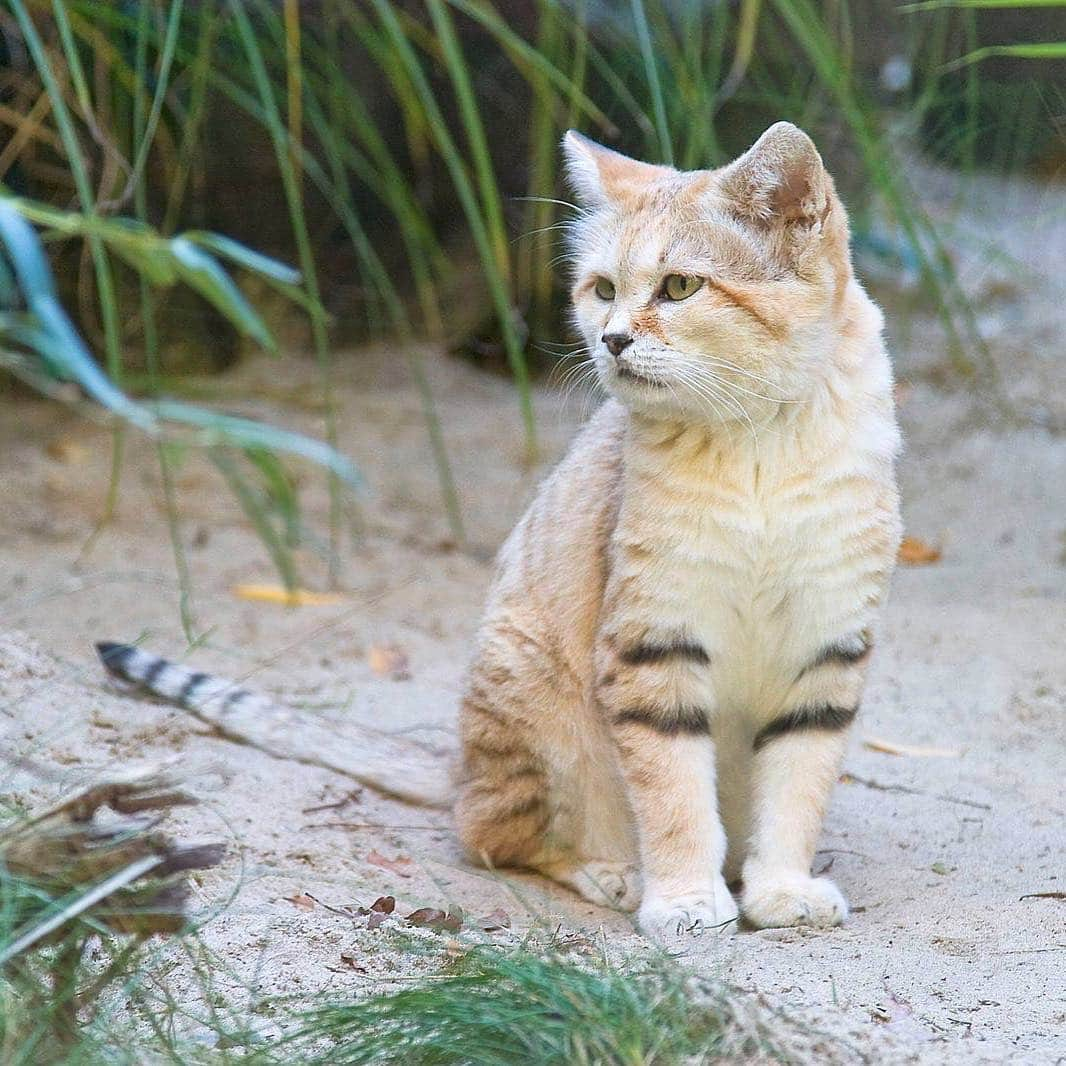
(600, 176)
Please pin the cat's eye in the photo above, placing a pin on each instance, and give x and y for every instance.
(680, 286)
(604, 289)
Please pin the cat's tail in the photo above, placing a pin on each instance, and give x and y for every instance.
(397, 766)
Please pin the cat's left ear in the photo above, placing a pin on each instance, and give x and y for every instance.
(779, 179)
(600, 176)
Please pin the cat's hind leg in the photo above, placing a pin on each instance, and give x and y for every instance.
(606, 882)
(529, 797)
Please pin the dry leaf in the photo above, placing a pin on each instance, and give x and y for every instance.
(427, 916)
(453, 948)
(382, 905)
(349, 962)
(287, 597)
(432, 918)
(890, 747)
(302, 901)
(65, 450)
(399, 865)
(389, 660)
(376, 920)
(494, 921)
(915, 552)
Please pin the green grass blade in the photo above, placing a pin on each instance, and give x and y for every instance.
(217, 429)
(488, 187)
(258, 515)
(464, 190)
(105, 288)
(651, 72)
(202, 273)
(238, 253)
(937, 5)
(147, 135)
(294, 198)
(1040, 51)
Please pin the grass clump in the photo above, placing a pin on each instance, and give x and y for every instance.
(501, 1008)
(83, 886)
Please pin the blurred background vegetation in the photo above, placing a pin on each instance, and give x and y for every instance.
(175, 155)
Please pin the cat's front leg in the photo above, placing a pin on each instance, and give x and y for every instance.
(649, 691)
(796, 761)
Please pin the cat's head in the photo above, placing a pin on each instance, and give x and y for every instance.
(709, 293)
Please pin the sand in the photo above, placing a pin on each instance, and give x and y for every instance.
(956, 948)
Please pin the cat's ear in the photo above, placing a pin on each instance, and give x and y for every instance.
(779, 179)
(600, 176)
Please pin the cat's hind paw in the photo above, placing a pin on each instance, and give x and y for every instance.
(605, 883)
(770, 901)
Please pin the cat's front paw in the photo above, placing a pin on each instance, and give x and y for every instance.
(673, 920)
(771, 901)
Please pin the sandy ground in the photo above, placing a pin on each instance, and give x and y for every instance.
(956, 950)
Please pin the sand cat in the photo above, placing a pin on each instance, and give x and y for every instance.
(675, 642)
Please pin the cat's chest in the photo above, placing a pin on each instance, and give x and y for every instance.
(757, 566)
(754, 555)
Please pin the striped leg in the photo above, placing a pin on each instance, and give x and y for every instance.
(650, 690)
(797, 759)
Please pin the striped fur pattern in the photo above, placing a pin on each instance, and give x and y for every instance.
(398, 766)
(676, 639)
(197, 691)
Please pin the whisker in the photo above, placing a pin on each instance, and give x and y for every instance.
(563, 224)
(561, 346)
(552, 200)
(706, 387)
(581, 377)
(698, 362)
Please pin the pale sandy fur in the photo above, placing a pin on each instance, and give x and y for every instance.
(676, 639)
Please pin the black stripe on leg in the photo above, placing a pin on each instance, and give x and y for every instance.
(821, 716)
(658, 651)
(846, 652)
(671, 721)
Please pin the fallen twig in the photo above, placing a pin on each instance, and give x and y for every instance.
(870, 783)
(349, 797)
(366, 825)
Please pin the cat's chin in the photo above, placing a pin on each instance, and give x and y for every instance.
(630, 377)
(651, 400)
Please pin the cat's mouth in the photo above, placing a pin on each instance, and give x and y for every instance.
(625, 373)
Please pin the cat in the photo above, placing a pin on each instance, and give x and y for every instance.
(677, 635)
(676, 638)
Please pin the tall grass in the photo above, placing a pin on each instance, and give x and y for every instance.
(421, 177)
(80, 894)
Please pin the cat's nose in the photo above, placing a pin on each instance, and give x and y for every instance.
(616, 342)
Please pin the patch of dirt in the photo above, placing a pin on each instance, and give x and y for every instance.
(957, 945)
